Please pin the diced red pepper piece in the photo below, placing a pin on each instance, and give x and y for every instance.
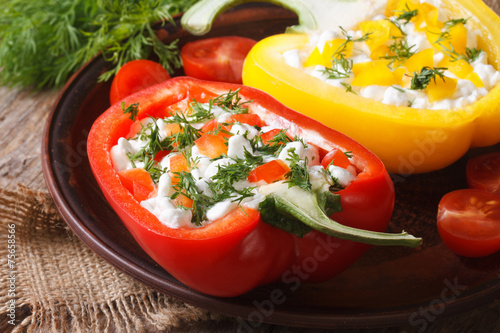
(178, 163)
(138, 182)
(251, 119)
(212, 125)
(269, 172)
(184, 201)
(211, 145)
(268, 136)
(337, 158)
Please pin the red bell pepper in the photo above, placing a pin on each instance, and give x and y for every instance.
(235, 254)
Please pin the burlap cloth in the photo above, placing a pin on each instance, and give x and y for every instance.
(58, 284)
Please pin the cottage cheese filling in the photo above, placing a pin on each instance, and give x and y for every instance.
(204, 172)
(413, 55)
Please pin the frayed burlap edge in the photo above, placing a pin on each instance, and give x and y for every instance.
(66, 286)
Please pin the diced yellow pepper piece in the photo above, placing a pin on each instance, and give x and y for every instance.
(364, 66)
(379, 32)
(379, 52)
(331, 49)
(399, 74)
(377, 74)
(439, 89)
(433, 35)
(407, 5)
(334, 48)
(428, 16)
(458, 38)
(419, 60)
(474, 78)
(316, 58)
(459, 67)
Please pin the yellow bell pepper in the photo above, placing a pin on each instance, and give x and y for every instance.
(408, 140)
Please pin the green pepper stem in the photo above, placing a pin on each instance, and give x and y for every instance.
(198, 19)
(303, 205)
(313, 15)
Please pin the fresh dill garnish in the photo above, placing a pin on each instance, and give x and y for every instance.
(399, 51)
(44, 42)
(401, 90)
(348, 154)
(341, 67)
(348, 87)
(231, 102)
(132, 109)
(273, 146)
(187, 134)
(186, 186)
(148, 153)
(471, 54)
(453, 22)
(298, 174)
(421, 80)
(407, 15)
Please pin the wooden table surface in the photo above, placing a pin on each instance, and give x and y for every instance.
(22, 117)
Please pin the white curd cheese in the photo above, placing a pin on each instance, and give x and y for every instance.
(205, 173)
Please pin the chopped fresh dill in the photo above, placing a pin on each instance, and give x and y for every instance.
(401, 90)
(187, 134)
(453, 22)
(341, 67)
(407, 15)
(348, 87)
(148, 153)
(231, 102)
(132, 109)
(421, 80)
(348, 154)
(400, 51)
(298, 174)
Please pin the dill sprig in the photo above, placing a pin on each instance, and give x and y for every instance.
(421, 80)
(339, 59)
(407, 14)
(132, 109)
(148, 153)
(44, 42)
(231, 102)
(399, 51)
(298, 174)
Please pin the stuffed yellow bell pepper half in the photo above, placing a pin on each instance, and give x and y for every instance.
(414, 81)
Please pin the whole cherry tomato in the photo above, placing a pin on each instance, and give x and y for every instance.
(468, 222)
(483, 172)
(136, 75)
(216, 59)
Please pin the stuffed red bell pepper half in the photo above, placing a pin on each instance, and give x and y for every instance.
(228, 189)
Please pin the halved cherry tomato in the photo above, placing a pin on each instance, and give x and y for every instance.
(216, 59)
(468, 222)
(483, 172)
(136, 75)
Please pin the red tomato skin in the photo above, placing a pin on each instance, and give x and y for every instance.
(134, 76)
(483, 172)
(216, 59)
(463, 225)
(236, 254)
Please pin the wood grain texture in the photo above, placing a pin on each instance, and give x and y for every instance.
(22, 118)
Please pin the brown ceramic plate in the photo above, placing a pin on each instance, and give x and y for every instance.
(387, 287)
